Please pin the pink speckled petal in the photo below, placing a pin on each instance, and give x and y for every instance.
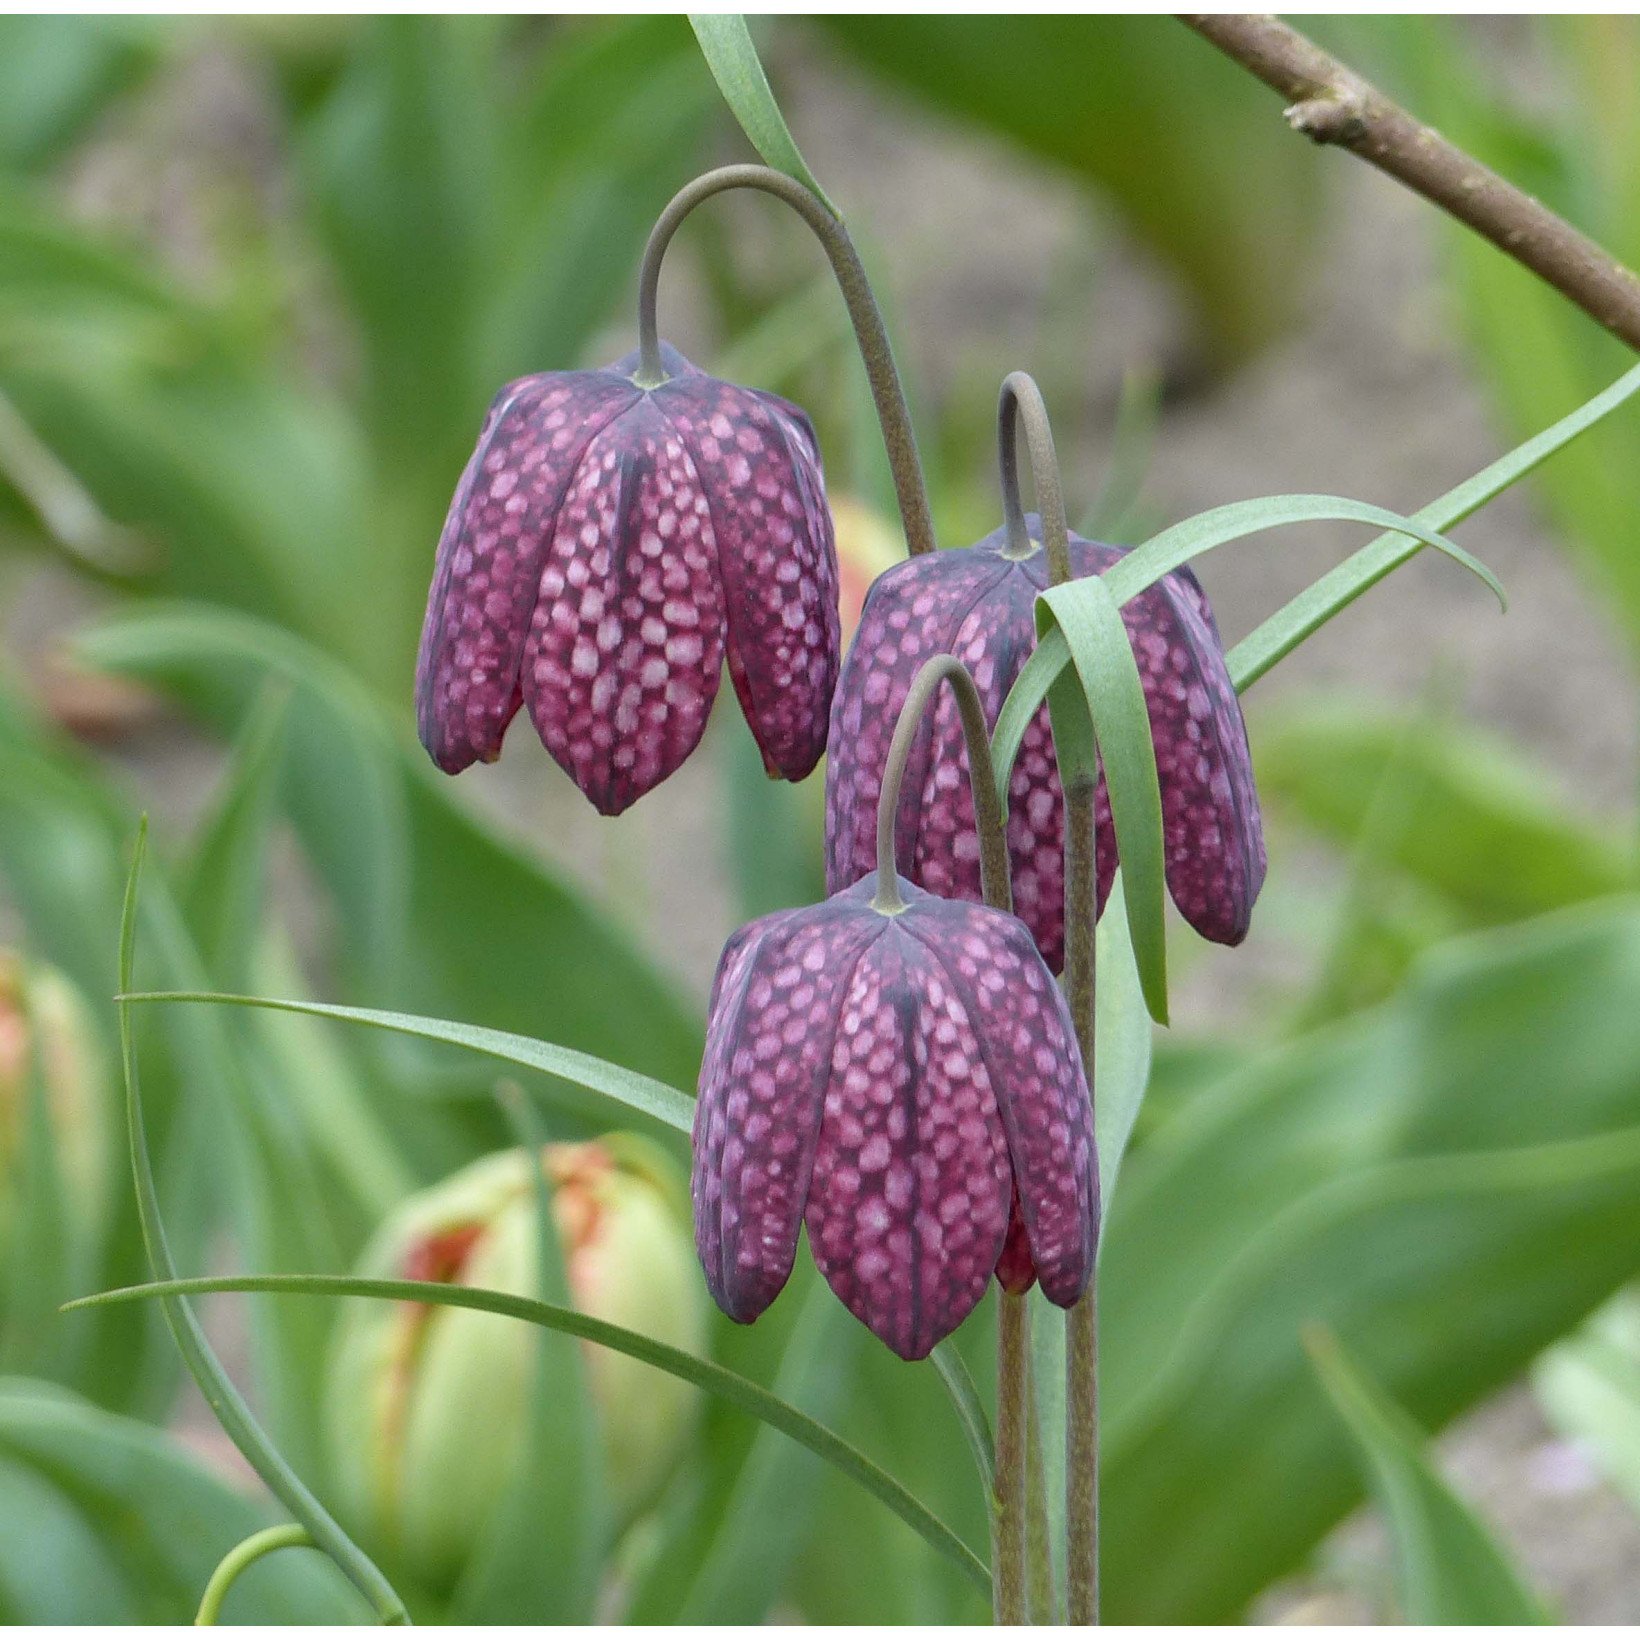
(626, 647)
(774, 1009)
(760, 473)
(1027, 1044)
(908, 1204)
(913, 612)
(1212, 831)
(490, 554)
(976, 604)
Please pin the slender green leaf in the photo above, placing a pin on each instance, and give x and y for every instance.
(1177, 545)
(1449, 1568)
(707, 1375)
(1122, 1038)
(542, 1552)
(109, 1519)
(726, 44)
(1087, 617)
(213, 1381)
(640, 1094)
(757, 1527)
(1402, 1177)
(969, 1408)
(1335, 591)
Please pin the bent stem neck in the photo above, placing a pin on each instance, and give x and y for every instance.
(993, 843)
(887, 391)
(1021, 401)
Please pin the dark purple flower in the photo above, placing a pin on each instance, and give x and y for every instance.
(904, 1084)
(976, 603)
(608, 548)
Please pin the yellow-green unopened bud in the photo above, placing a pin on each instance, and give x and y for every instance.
(49, 1051)
(428, 1405)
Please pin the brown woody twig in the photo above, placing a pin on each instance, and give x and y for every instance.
(1330, 103)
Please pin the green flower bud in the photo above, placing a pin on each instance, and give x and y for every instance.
(49, 1050)
(427, 1405)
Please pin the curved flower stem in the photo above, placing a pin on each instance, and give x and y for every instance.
(290, 1536)
(886, 390)
(993, 843)
(1010, 1552)
(1021, 401)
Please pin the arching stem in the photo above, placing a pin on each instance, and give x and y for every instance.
(1021, 402)
(239, 1557)
(1010, 1550)
(886, 390)
(993, 842)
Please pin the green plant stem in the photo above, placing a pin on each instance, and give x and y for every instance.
(238, 1558)
(1010, 1555)
(1082, 1323)
(993, 842)
(887, 392)
(1021, 402)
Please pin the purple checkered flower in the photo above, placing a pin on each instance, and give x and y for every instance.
(608, 548)
(976, 603)
(908, 1085)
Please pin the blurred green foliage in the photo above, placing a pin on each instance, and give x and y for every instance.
(1434, 1149)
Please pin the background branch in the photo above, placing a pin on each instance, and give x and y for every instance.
(1330, 103)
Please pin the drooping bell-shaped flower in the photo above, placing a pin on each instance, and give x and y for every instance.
(977, 603)
(609, 547)
(907, 1084)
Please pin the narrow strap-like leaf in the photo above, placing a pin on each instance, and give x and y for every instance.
(1089, 619)
(707, 1375)
(1450, 1568)
(629, 1089)
(1311, 609)
(1177, 545)
(208, 1372)
(726, 44)
(970, 1409)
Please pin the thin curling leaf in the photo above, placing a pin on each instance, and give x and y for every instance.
(1448, 1566)
(1177, 545)
(1089, 620)
(207, 1371)
(706, 1375)
(1282, 633)
(640, 1094)
(726, 44)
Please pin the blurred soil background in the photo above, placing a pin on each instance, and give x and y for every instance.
(991, 261)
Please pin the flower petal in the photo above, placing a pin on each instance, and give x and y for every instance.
(1212, 830)
(914, 611)
(626, 646)
(775, 1005)
(1028, 1046)
(760, 472)
(908, 1204)
(490, 555)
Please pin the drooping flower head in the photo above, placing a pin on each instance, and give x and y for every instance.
(977, 604)
(908, 1085)
(609, 547)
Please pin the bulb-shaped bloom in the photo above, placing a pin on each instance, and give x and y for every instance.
(50, 1051)
(908, 1085)
(427, 1405)
(609, 547)
(977, 603)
